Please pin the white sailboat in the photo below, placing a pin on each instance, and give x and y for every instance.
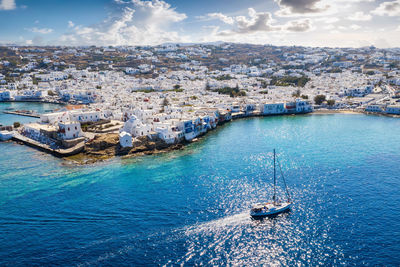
(276, 206)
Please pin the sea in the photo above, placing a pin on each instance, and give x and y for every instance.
(191, 207)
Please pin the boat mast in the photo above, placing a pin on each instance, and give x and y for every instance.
(274, 197)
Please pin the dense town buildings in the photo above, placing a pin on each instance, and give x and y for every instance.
(178, 92)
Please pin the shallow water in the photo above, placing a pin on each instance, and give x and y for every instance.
(191, 207)
(8, 119)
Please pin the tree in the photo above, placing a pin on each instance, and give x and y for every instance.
(331, 102)
(50, 93)
(17, 124)
(208, 87)
(370, 72)
(177, 86)
(304, 96)
(297, 93)
(318, 99)
(165, 102)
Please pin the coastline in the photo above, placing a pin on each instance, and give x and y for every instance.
(336, 111)
(34, 101)
(106, 146)
(352, 112)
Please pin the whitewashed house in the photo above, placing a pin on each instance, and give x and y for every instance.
(272, 108)
(393, 109)
(374, 108)
(70, 130)
(125, 139)
(135, 127)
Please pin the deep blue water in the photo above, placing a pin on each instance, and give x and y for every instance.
(191, 207)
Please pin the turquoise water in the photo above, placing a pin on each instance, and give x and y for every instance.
(191, 207)
(7, 119)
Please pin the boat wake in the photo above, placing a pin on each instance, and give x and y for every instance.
(230, 240)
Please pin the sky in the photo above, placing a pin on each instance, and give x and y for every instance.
(331, 23)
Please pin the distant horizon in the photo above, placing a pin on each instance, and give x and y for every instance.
(199, 43)
(307, 23)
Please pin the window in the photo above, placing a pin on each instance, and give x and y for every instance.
(68, 129)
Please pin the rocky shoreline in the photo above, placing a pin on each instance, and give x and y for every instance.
(106, 146)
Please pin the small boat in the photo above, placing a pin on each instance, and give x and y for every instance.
(275, 207)
(5, 135)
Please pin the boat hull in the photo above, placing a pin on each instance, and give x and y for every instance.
(271, 210)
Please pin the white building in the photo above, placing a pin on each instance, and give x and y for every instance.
(393, 109)
(125, 139)
(70, 130)
(374, 108)
(135, 127)
(272, 108)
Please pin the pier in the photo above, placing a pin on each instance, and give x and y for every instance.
(23, 113)
(57, 152)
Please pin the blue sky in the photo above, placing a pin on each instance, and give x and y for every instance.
(349, 23)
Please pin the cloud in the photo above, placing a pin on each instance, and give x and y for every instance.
(301, 25)
(390, 9)
(254, 22)
(40, 30)
(258, 21)
(360, 16)
(252, 26)
(7, 5)
(136, 22)
(328, 20)
(71, 24)
(221, 17)
(329, 27)
(291, 7)
(355, 27)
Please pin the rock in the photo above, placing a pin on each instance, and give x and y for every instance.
(102, 142)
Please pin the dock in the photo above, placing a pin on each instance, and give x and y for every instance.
(23, 113)
(57, 152)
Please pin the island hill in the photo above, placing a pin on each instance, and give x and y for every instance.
(87, 135)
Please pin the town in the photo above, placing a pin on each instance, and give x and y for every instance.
(153, 97)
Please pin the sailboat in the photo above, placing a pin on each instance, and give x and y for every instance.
(276, 206)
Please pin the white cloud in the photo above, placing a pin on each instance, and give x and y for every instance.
(221, 17)
(7, 5)
(301, 25)
(29, 42)
(328, 20)
(258, 22)
(355, 27)
(329, 27)
(254, 22)
(256, 27)
(40, 30)
(388, 9)
(360, 16)
(71, 24)
(137, 22)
